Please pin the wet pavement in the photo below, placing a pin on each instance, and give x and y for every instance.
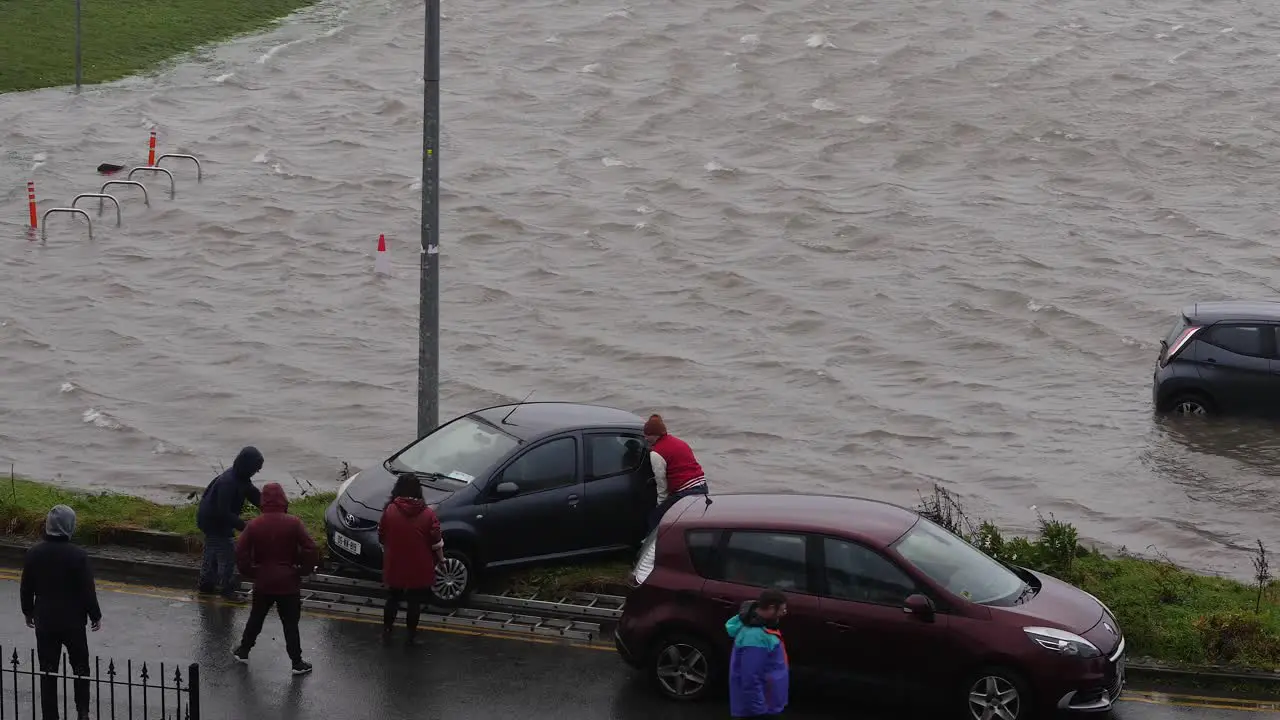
(456, 674)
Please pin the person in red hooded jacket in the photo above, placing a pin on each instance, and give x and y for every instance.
(411, 547)
(275, 551)
(675, 469)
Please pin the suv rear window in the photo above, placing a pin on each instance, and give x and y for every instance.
(1178, 326)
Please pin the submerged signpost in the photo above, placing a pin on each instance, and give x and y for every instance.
(429, 289)
(78, 73)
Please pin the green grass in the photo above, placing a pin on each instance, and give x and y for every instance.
(24, 504)
(119, 37)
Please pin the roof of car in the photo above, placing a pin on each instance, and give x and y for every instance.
(1211, 312)
(876, 521)
(533, 419)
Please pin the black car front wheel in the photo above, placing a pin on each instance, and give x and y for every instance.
(455, 578)
(1191, 404)
(683, 667)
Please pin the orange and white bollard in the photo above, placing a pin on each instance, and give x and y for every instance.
(31, 202)
(382, 261)
(151, 152)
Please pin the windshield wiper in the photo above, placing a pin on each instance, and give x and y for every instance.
(1028, 592)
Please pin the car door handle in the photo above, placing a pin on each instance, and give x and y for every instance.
(839, 626)
(573, 500)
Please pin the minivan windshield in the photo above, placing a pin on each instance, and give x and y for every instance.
(459, 452)
(958, 566)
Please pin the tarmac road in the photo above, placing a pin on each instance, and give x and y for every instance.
(456, 675)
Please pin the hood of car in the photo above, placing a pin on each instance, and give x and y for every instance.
(1058, 605)
(371, 492)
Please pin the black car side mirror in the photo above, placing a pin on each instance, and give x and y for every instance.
(506, 489)
(920, 606)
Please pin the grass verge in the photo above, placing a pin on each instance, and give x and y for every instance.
(24, 504)
(119, 37)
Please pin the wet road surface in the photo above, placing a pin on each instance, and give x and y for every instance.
(456, 674)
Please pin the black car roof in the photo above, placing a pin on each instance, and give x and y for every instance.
(1211, 312)
(532, 420)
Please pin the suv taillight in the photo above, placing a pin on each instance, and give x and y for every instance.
(647, 559)
(1183, 338)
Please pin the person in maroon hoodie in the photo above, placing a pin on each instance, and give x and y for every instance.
(411, 547)
(276, 552)
(675, 469)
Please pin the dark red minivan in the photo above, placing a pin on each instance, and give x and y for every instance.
(877, 596)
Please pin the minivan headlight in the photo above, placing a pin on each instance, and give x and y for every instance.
(1061, 641)
(342, 489)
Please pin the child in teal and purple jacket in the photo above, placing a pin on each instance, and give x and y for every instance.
(758, 675)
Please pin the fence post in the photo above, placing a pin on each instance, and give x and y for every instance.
(193, 692)
(78, 66)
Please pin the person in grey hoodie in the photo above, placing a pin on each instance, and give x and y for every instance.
(58, 597)
(219, 518)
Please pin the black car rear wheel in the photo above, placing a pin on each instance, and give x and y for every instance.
(683, 667)
(997, 693)
(455, 578)
(1191, 404)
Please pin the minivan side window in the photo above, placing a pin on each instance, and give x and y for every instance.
(767, 560)
(1239, 339)
(610, 454)
(702, 552)
(550, 465)
(857, 573)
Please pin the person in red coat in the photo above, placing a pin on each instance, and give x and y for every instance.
(675, 469)
(276, 552)
(411, 547)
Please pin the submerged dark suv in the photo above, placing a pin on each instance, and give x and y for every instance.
(1220, 358)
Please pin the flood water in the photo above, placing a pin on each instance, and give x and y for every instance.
(852, 248)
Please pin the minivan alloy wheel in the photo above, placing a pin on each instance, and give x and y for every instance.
(451, 579)
(994, 698)
(682, 669)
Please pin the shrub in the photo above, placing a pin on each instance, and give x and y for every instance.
(1233, 637)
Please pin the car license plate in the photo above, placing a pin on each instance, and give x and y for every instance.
(346, 544)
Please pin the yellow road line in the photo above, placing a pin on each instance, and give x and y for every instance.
(1197, 701)
(178, 595)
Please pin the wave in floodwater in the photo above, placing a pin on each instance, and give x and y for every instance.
(843, 248)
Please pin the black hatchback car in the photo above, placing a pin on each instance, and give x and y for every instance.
(512, 484)
(1220, 358)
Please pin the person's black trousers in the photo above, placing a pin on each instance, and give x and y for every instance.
(415, 597)
(289, 608)
(49, 644)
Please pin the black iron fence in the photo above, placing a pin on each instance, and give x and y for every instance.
(129, 691)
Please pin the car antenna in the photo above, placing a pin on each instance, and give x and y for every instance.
(517, 406)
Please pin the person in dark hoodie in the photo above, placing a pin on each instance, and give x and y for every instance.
(58, 597)
(758, 672)
(275, 551)
(219, 517)
(411, 547)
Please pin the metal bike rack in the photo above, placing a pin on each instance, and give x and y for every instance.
(146, 199)
(153, 168)
(101, 197)
(44, 221)
(192, 158)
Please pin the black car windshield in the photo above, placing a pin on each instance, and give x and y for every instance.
(958, 566)
(459, 452)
